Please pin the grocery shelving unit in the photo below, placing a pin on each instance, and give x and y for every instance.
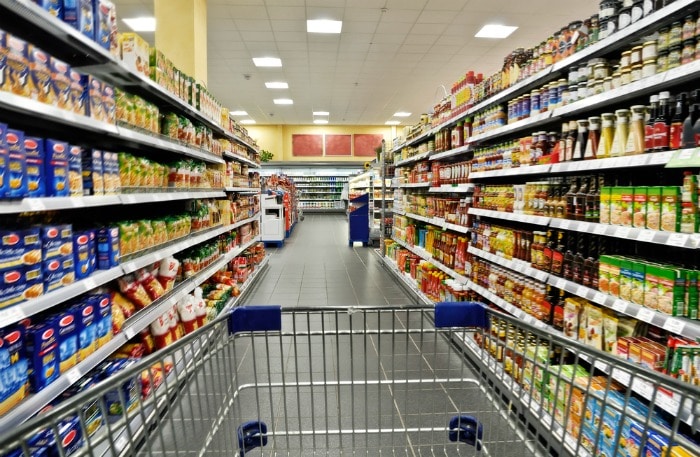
(685, 245)
(28, 20)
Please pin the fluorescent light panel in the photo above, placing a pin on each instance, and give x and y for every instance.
(248, 121)
(392, 123)
(238, 113)
(283, 101)
(320, 121)
(321, 113)
(267, 62)
(141, 24)
(324, 26)
(276, 85)
(495, 31)
(401, 114)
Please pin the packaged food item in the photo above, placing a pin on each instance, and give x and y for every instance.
(17, 164)
(109, 104)
(19, 247)
(160, 329)
(135, 53)
(80, 14)
(90, 412)
(4, 151)
(639, 217)
(188, 314)
(56, 240)
(61, 79)
(56, 168)
(671, 288)
(128, 391)
(692, 294)
(670, 208)
(653, 208)
(34, 149)
(625, 279)
(53, 274)
(67, 329)
(18, 78)
(626, 206)
(55, 7)
(133, 289)
(40, 71)
(13, 367)
(85, 314)
(103, 302)
(106, 25)
(107, 248)
(79, 100)
(571, 318)
(610, 333)
(81, 254)
(93, 183)
(42, 352)
(75, 171)
(167, 272)
(638, 270)
(92, 98)
(153, 288)
(594, 331)
(614, 279)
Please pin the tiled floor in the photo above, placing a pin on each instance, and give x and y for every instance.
(316, 267)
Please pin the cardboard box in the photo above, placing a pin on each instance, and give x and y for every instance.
(61, 79)
(671, 288)
(671, 209)
(34, 149)
(55, 7)
(40, 71)
(19, 81)
(67, 340)
(85, 314)
(43, 354)
(637, 285)
(93, 183)
(17, 164)
(135, 53)
(56, 168)
(80, 14)
(107, 248)
(78, 92)
(106, 25)
(109, 104)
(75, 171)
(626, 205)
(639, 212)
(4, 159)
(654, 208)
(92, 98)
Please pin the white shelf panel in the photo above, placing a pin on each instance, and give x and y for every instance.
(248, 190)
(451, 153)
(512, 264)
(415, 185)
(528, 123)
(641, 160)
(166, 144)
(136, 198)
(56, 203)
(241, 159)
(425, 255)
(406, 279)
(527, 170)
(453, 188)
(537, 220)
(415, 158)
(437, 221)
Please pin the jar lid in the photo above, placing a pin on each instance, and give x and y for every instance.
(608, 78)
(626, 53)
(636, 66)
(649, 43)
(690, 42)
(637, 48)
(650, 62)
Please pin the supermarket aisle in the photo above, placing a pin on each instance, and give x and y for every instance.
(316, 267)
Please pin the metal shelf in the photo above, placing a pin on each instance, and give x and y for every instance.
(536, 220)
(414, 185)
(250, 190)
(451, 152)
(527, 170)
(425, 255)
(524, 124)
(241, 159)
(512, 264)
(437, 221)
(407, 281)
(413, 159)
(453, 188)
(165, 144)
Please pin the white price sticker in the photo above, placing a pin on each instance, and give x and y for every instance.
(645, 389)
(646, 235)
(89, 284)
(667, 402)
(120, 444)
(660, 158)
(686, 154)
(620, 305)
(560, 284)
(600, 229)
(599, 298)
(645, 315)
(638, 160)
(35, 205)
(11, 315)
(674, 325)
(73, 375)
(129, 333)
(564, 224)
(677, 239)
(582, 291)
(584, 227)
(622, 232)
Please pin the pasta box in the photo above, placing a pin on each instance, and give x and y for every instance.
(56, 240)
(19, 80)
(93, 183)
(61, 78)
(55, 7)
(126, 396)
(56, 167)
(77, 91)
(105, 24)
(13, 368)
(91, 413)
(67, 329)
(40, 71)
(3, 61)
(52, 270)
(109, 104)
(92, 97)
(80, 14)
(107, 248)
(17, 164)
(42, 353)
(110, 172)
(75, 171)
(4, 159)
(85, 314)
(85, 258)
(34, 150)
(104, 318)
(19, 247)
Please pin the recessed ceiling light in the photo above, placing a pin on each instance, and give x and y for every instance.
(267, 62)
(248, 121)
(324, 26)
(238, 113)
(276, 85)
(401, 114)
(320, 121)
(392, 123)
(495, 31)
(321, 113)
(283, 101)
(141, 24)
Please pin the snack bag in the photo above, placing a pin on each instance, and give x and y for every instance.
(153, 288)
(133, 289)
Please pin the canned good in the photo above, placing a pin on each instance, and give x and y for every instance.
(649, 50)
(636, 72)
(636, 55)
(649, 68)
(688, 52)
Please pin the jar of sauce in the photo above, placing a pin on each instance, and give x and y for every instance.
(602, 29)
(649, 50)
(534, 102)
(637, 10)
(674, 57)
(626, 59)
(662, 40)
(636, 72)
(662, 62)
(624, 18)
(688, 52)
(619, 143)
(591, 151)
(616, 79)
(688, 30)
(636, 55)
(600, 71)
(607, 133)
(675, 34)
(608, 8)
(607, 83)
(626, 76)
(649, 68)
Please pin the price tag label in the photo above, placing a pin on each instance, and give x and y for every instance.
(582, 291)
(645, 389)
(620, 305)
(584, 227)
(73, 375)
(120, 444)
(667, 402)
(129, 332)
(11, 315)
(621, 376)
(660, 158)
(646, 235)
(35, 204)
(570, 441)
(645, 315)
(638, 160)
(600, 229)
(564, 224)
(677, 239)
(622, 232)
(560, 284)
(89, 283)
(599, 298)
(686, 154)
(674, 325)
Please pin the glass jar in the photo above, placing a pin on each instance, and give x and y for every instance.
(649, 50)
(608, 8)
(697, 27)
(649, 68)
(636, 55)
(662, 40)
(535, 102)
(674, 57)
(608, 83)
(675, 34)
(602, 29)
(607, 134)
(688, 52)
(697, 50)
(662, 62)
(688, 30)
(598, 86)
(573, 75)
(616, 80)
(602, 70)
(624, 18)
(637, 10)
(626, 76)
(636, 72)
(622, 117)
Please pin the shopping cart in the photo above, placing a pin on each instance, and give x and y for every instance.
(453, 380)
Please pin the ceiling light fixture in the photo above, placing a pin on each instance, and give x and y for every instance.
(267, 62)
(276, 85)
(321, 113)
(248, 121)
(283, 101)
(392, 123)
(238, 113)
(320, 121)
(495, 31)
(324, 26)
(141, 24)
(401, 114)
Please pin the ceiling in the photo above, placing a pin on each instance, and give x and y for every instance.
(392, 55)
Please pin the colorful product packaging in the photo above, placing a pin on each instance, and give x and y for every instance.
(625, 279)
(42, 352)
(639, 215)
(86, 314)
(126, 397)
(638, 270)
(18, 78)
(92, 98)
(61, 78)
(109, 104)
(17, 164)
(91, 412)
(55, 7)
(106, 25)
(52, 271)
(40, 71)
(67, 340)
(692, 299)
(3, 61)
(93, 183)
(34, 149)
(77, 91)
(654, 208)
(56, 167)
(107, 248)
(671, 288)
(671, 209)
(13, 368)
(135, 53)
(4, 158)
(56, 241)
(626, 205)
(19, 248)
(75, 171)
(80, 14)
(104, 330)
(81, 254)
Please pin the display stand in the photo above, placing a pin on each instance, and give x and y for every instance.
(273, 221)
(358, 220)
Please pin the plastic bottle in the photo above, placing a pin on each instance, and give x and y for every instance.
(593, 140)
(621, 131)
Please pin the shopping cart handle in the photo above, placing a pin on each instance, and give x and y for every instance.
(255, 319)
(461, 314)
(251, 435)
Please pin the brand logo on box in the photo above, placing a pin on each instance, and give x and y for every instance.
(52, 233)
(41, 56)
(69, 438)
(66, 321)
(11, 239)
(60, 66)
(12, 337)
(59, 148)
(87, 311)
(12, 276)
(30, 144)
(104, 303)
(82, 239)
(53, 265)
(12, 138)
(47, 335)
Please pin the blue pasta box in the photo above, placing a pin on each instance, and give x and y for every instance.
(109, 103)
(18, 80)
(69, 439)
(80, 15)
(56, 168)
(77, 90)
(93, 183)
(56, 240)
(42, 353)
(55, 7)
(92, 249)
(124, 398)
(67, 329)
(60, 76)
(40, 72)
(92, 97)
(3, 61)
(13, 368)
(105, 24)
(75, 171)
(103, 332)
(53, 274)
(107, 248)
(86, 315)
(91, 412)
(17, 164)
(82, 254)
(34, 149)
(19, 247)
(4, 158)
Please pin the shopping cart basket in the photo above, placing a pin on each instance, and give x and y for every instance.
(297, 381)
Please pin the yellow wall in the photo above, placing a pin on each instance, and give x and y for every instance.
(278, 139)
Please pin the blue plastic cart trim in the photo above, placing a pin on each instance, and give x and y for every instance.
(461, 314)
(255, 319)
(466, 429)
(251, 435)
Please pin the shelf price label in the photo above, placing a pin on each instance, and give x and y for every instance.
(600, 229)
(622, 232)
(638, 160)
(582, 291)
(646, 235)
(599, 298)
(620, 305)
(674, 325)
(661, 158)
(677, 239)
(564, 224)
(11, 315)
(645, 315)
(73, 376)
(560, 284)
(35, 204)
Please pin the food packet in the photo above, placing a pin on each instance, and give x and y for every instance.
(153, 287)
(132, 289)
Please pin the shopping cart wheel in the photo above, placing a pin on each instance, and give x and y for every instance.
(251, 435)
(466, 429)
